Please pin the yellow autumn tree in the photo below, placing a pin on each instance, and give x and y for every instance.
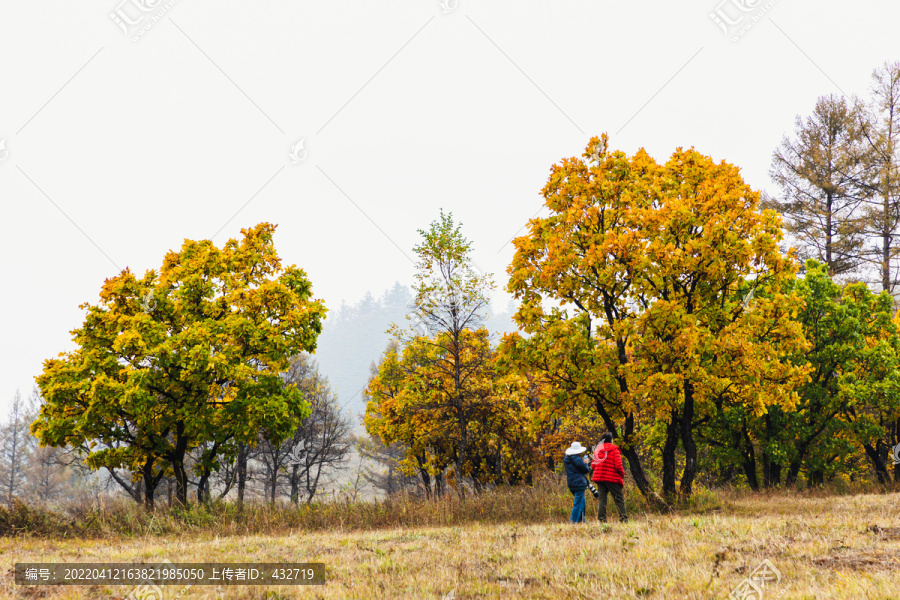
(412, 401)
(636, 294)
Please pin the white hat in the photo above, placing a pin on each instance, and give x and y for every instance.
(575, 448)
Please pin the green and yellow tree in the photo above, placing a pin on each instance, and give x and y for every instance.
(185, 357)
(444, 396)
(847, 406)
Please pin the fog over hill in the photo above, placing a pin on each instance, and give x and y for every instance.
(355, 335)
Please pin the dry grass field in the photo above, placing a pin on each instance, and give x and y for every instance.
(824, 547)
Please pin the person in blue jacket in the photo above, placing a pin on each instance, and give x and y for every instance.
(576, 469)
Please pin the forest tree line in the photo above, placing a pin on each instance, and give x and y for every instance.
(663, 302)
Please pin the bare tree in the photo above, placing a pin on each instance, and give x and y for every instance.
(48, 474)
(54, 473)
(322, 442)
(14, 449)
(319, 448)
(275, 459)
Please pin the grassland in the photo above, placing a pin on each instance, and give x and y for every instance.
(825, 547)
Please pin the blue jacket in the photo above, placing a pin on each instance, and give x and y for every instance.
(575, 471)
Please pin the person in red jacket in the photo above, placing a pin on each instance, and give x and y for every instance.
(609, 475)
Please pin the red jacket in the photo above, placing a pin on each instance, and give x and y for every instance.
(607, 464)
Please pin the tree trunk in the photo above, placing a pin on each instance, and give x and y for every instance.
(176, 459)
(203, 495)
(771, 471)
(793, 472)
(242, 475)
(750, 461)
(426, 478)
(462, 420)
(816, 478)
(273, 480)
(439, 485)
(880, 467)
(828, 227)
(670, 492)
(896, 439)
(687, 440)
(797, 463)
(634, 461)
(149, 484)
(295, 484)
(886, 244)
(749, 466)
(461, 459)
(181, 483)
(133, 489)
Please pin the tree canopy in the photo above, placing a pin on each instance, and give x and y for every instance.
(633, 295)
(187, 356)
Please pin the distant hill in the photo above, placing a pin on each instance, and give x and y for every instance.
(356, 335)
(353, 337)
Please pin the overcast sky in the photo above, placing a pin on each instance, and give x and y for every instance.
(126, 127)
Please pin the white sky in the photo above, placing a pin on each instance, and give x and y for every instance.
(116, 150)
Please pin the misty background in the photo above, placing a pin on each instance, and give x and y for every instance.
(351, 125)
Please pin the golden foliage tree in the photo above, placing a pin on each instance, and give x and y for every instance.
(634, 293)
(413, 401)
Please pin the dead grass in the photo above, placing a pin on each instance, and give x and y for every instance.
(825, 547)
(547, 500)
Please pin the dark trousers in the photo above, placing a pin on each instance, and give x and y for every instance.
(615, 489)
